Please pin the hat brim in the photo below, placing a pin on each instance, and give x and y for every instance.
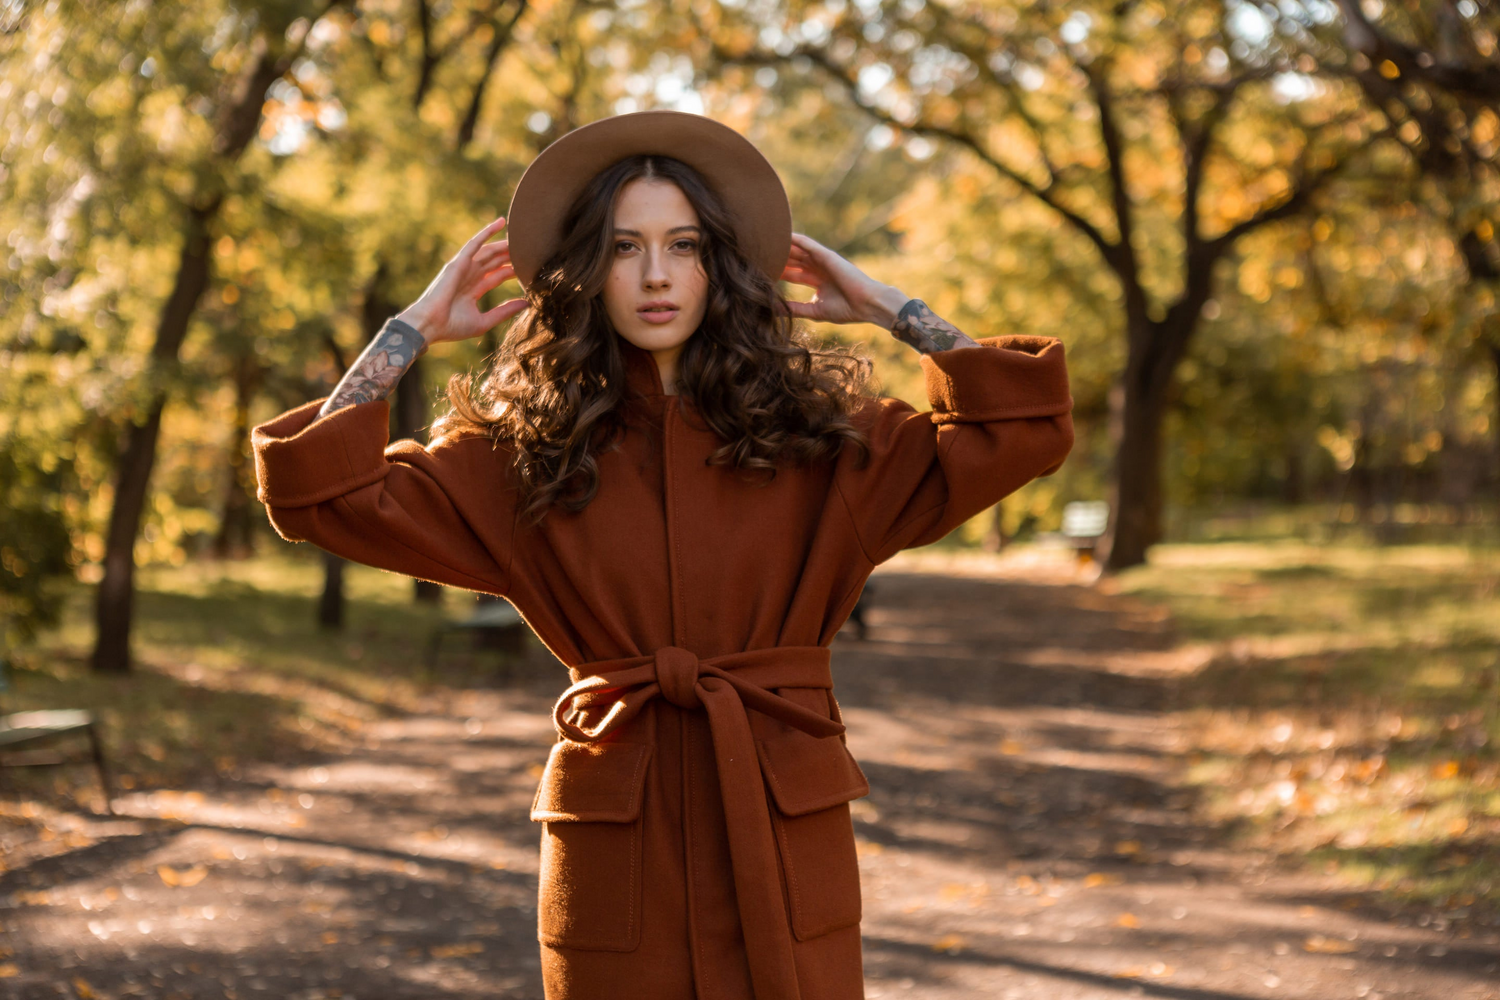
(741, 176)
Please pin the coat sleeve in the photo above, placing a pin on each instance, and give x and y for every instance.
(1001, 415)
(443, 512)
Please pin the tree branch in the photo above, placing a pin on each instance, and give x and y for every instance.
(501, 39)
(1482, 82)
(1047, 194)
(1127, 266)
(1302, 192)
(240, 118)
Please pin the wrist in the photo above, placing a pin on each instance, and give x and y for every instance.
(421, 320)
(886, 306)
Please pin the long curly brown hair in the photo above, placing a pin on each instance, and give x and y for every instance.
(554, 390)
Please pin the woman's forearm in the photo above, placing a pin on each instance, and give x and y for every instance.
(925, 330)
(912, 322)
(379, 366)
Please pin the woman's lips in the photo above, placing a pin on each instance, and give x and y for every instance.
(657, 315)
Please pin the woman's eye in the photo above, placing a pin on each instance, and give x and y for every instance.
(622, 244)
(687, 243)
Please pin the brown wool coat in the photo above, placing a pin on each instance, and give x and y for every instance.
(696, 839)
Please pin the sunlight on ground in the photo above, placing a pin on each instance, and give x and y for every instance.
(1351, 712)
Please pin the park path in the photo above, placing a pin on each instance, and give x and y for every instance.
(1028, 835)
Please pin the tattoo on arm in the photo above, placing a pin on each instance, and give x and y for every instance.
(379, 367)
(925, 330)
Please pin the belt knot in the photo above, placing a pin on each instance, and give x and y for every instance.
(677, 672)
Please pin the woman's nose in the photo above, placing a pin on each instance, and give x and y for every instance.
(656, 270)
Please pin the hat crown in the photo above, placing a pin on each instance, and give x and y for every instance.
(729, 163)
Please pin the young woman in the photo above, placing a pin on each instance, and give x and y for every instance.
(683, 498)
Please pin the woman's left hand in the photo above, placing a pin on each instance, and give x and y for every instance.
(844, 293)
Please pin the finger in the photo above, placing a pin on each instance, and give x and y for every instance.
(807, 245)
(802, 310)
(814, 274)
(817, 252)
(490, 252)
(477, 240)
(800, 277)
(494, 279)
(502, 312)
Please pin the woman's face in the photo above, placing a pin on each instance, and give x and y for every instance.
(657, 289)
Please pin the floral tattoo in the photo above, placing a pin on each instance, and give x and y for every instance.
(925, 330)
(379, 367)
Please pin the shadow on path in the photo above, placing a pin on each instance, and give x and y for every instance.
(1028, 835)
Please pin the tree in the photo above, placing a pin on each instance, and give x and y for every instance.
(233, 101)
(1160, 140)
(1430, 69)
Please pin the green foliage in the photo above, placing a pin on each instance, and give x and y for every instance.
(1341, 356)
(34, 542)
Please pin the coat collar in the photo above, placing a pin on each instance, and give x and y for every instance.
(642, 376)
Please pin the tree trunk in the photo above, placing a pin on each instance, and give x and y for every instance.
(331, 604)
(1135, 504)
(1495, 357)
(236, 529)
(409, 408)
(115, 601)
(411, 422)
(1137, 407)
(994, 539)
(133, 476)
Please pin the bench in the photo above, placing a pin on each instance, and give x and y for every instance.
(495, 624)
(1083, 524)
(22, 732)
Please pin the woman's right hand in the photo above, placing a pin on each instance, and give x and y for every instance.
(449, 308)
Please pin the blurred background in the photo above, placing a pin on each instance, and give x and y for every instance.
(1265, 231)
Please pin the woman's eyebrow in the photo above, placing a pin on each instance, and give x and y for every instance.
(674, 229)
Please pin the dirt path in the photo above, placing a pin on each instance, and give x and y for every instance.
(1027, 836)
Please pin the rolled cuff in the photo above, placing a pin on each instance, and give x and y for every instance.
(302, 459)
(1005, 378)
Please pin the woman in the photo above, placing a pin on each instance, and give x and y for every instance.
(684, 500)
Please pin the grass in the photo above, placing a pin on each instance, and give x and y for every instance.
(1350, 715)
(232, 669)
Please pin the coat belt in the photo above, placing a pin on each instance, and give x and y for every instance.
(724, 687)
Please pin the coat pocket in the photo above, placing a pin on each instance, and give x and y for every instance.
(589, 803)
(812, 781)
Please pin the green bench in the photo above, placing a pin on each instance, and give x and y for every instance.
(495, 624)
(26, 738)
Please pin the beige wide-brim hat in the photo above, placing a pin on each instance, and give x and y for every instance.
(741, 176)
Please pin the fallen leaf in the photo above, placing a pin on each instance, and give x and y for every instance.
(1327, 946)
(455, 950)
(192, 876)
(9, 969)
(949, 942)
(1012, 747)
(83, 989)
(1128, 920)
(1095, 879)
(1128, 847)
